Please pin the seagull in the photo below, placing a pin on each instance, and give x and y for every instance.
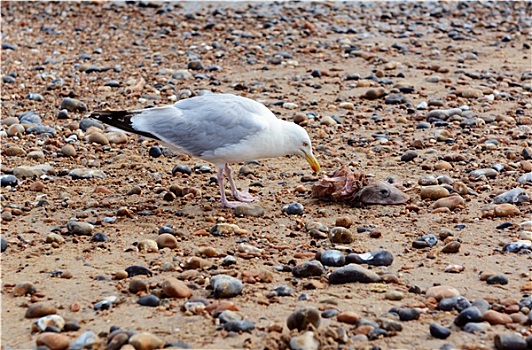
(220, 129)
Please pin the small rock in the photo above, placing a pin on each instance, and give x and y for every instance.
(68, 151)
(8, 180)
(373, 94)
(452, 203)
(515, 195)
(53, 341)
(166, 240)
(50, 321)
(494, 317)
(81, 173)
(505, 210)
(451, 247)
(148, 246)
(303, 317)
(40, 309)
(239, 326)
(497, 279)
(332, 258)
(24, 288)
(3, 244)
(438, 331)
(149, 300)
(97, 137)
(293, 209)
(253, 210)
(353, 273)
(408, 314)
(175, 288)
(73, 105)
(348, 317)
(344, 221)
(379, 257)
(79, 228)
(471, 314)
(510, 341)
(225, 286)
(135, 270)
(408, 156)
(87, 340)
(146, 341)
(308, 269)
(14, 151)
(434, 192)
(394, 295)
(425, 241)
(441, 292)
(341, 235)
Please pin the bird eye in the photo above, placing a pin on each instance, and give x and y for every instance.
(305, 144)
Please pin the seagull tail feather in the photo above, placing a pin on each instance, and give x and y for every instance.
(121, 120)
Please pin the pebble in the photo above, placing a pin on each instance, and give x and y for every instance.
(441, 292)
(86, 123)
(303, 317)
(63, 114)
(470, 314)
(525, 178)
(116, 138)
(135, 270)
(408, 314)
(40, 309)
(379, 257)
(181, 169)
(348, 317)
(73, 105)
(515, 195)
(394, 295)
(87, 340)
(79, 228)
(149, 300)
(497, 279)
(305, 341)
(225, 286)
(50, 321)
(476, 327)
(373, 94)
(146, 341)
(329, 313)
(452, 202)
(36, 155)
(252, 210)
(486, 172)
(308, 269)
(516, 247)
(175, 288)
(341, 235)
(293, 209)
(510, 341)
(166, 240)
(284, 291)
(434, 192)
(438, 331)
(69, 151)
(353, 273)
(29, 118)
(97, 138)
(148, 246)
(137, 285)
(408, 156)
(53, 341)
(451, 247)
(15, 130)
(14, 151)
(332, 258)
(494, 317)
(99, 237)
(3, 244)
(54, 238)
(505, 210)
(428, 240)
(8, 180)
(82, 173)
(239, 326)
(344, 221)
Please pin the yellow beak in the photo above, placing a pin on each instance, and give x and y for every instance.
(313, 162)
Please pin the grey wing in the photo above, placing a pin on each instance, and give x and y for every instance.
(199, 128)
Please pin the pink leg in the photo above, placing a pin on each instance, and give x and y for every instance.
(221, 183)
(240, 196)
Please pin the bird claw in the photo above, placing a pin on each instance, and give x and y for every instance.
(244, 197)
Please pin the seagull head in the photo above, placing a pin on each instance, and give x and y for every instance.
(301, 145)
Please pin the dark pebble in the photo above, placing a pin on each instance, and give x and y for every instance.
(135, 270)
(8, 180)
(516, 247)
(86, 123)
(377, 333)
(394, 99)
(149, 300)
(379, 257)
(408, 156)
(284, 291)
(73, 105)
(293, 209)
(225, 286)
(41, 130)
(183, 169)
(471, 314)
(481, 304)
(309, 268)
(166, 229)
(155, 152)
(103, 305)
(8, 79)
(504, 225)
(63, 114)
(461, 303)
(353, 273)
(438, 331)
(408, 314)
(34, 97)
(329, 313)
(302, 318)
(239, 326)
(510, 341)
(497, 279)
(112, 83)
(3, 244)
(99, 237)
(332, 258)
(425, 241)
(7, 46)
(71, 326)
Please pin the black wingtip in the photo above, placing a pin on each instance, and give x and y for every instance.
(120, 120)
